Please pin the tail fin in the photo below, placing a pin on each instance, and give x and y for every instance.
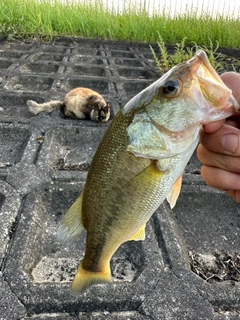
(50, 106)
(83, 278)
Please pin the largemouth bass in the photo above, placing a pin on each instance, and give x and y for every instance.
(140, 162)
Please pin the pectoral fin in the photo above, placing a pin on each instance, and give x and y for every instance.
(71, 226)
(140, 234)
(174, 193)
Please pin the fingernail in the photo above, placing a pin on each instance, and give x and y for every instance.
(230, 142)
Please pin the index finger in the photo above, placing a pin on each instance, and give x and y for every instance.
(213, 126)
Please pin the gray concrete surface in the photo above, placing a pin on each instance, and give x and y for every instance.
(43, 165)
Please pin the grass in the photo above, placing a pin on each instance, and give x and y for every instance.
(89, 18)
(182, 52)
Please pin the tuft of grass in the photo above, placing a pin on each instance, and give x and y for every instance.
(92, 19)
(183, 53)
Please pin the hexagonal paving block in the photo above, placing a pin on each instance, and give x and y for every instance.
(71, 149)
(40, 273)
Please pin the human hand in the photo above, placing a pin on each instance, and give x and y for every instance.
(219, 149)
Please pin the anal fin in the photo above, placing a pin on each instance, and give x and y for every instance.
(174, 192)
(71, 227)
(140, 234)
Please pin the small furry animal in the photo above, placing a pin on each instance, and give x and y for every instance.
(81, 103)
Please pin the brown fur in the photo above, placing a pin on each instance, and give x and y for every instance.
(81, 103)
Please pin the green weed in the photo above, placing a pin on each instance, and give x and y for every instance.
(183, 53)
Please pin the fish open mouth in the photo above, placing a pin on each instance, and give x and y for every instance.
(216, 93)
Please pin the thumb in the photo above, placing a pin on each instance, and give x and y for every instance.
(231, 143)
(226, 140)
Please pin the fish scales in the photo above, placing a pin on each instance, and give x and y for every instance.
(109, 190)
(140, 162)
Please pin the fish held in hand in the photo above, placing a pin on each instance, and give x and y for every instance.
(140, 162)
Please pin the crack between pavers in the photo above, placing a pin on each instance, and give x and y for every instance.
(13, 227)
(160, 241)
(167, 260)
(39, 148)
(142, 312)
(9, 246)
(202, 295)
(10, 307)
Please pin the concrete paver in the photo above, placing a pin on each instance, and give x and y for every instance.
(44, 161)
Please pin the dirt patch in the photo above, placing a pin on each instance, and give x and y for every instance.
(216, 267)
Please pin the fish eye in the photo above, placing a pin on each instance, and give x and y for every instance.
(170, 88)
